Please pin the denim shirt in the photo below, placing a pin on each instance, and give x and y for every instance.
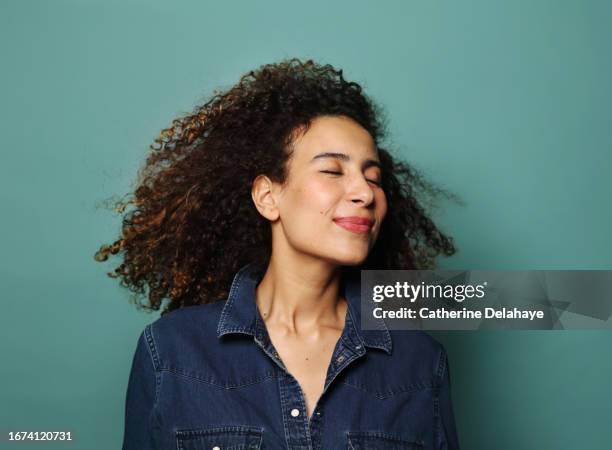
(208, 377)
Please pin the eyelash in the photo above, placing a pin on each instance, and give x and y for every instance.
(340, 173)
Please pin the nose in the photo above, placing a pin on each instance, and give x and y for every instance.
(360, 190)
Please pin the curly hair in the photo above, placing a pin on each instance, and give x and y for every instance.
(193, 223)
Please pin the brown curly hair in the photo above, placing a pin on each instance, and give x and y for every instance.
(193, 223)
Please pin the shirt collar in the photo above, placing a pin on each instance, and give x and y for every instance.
(240, 314)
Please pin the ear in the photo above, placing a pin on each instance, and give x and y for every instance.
(265, 196)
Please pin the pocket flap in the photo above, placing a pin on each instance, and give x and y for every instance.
(378, 440)
(234, 437)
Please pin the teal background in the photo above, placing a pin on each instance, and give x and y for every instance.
(506, 103)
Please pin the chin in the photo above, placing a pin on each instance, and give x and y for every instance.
(354, 259)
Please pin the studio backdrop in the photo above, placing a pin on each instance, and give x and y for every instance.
(506, 104)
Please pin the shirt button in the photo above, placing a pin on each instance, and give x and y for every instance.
(340, 359)
(216, 447)
(295, 412)
(358, 347)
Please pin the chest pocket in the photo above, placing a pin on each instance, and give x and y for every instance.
(234, 437)
(376, 440)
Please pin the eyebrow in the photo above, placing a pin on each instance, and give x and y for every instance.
(344, 157)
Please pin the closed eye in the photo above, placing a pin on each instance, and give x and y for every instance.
(333, 172)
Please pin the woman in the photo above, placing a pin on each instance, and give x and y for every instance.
(252, 219)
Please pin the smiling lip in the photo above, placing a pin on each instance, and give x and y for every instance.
(355, 224)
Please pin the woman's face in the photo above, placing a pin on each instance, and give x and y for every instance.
(332, 205)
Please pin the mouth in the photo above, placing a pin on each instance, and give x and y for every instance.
(360, 225)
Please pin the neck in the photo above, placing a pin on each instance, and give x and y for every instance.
(301, 296)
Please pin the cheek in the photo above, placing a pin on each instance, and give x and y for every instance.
(314, 196)
(386, 205)
(381, 201)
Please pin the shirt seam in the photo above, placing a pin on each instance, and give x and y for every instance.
(440, 370)
(153, 354)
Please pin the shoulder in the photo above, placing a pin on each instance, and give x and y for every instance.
(419, 352)
(415, 341)
(183, 331)
(190, 318)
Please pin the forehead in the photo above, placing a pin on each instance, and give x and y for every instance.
(334, 134)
